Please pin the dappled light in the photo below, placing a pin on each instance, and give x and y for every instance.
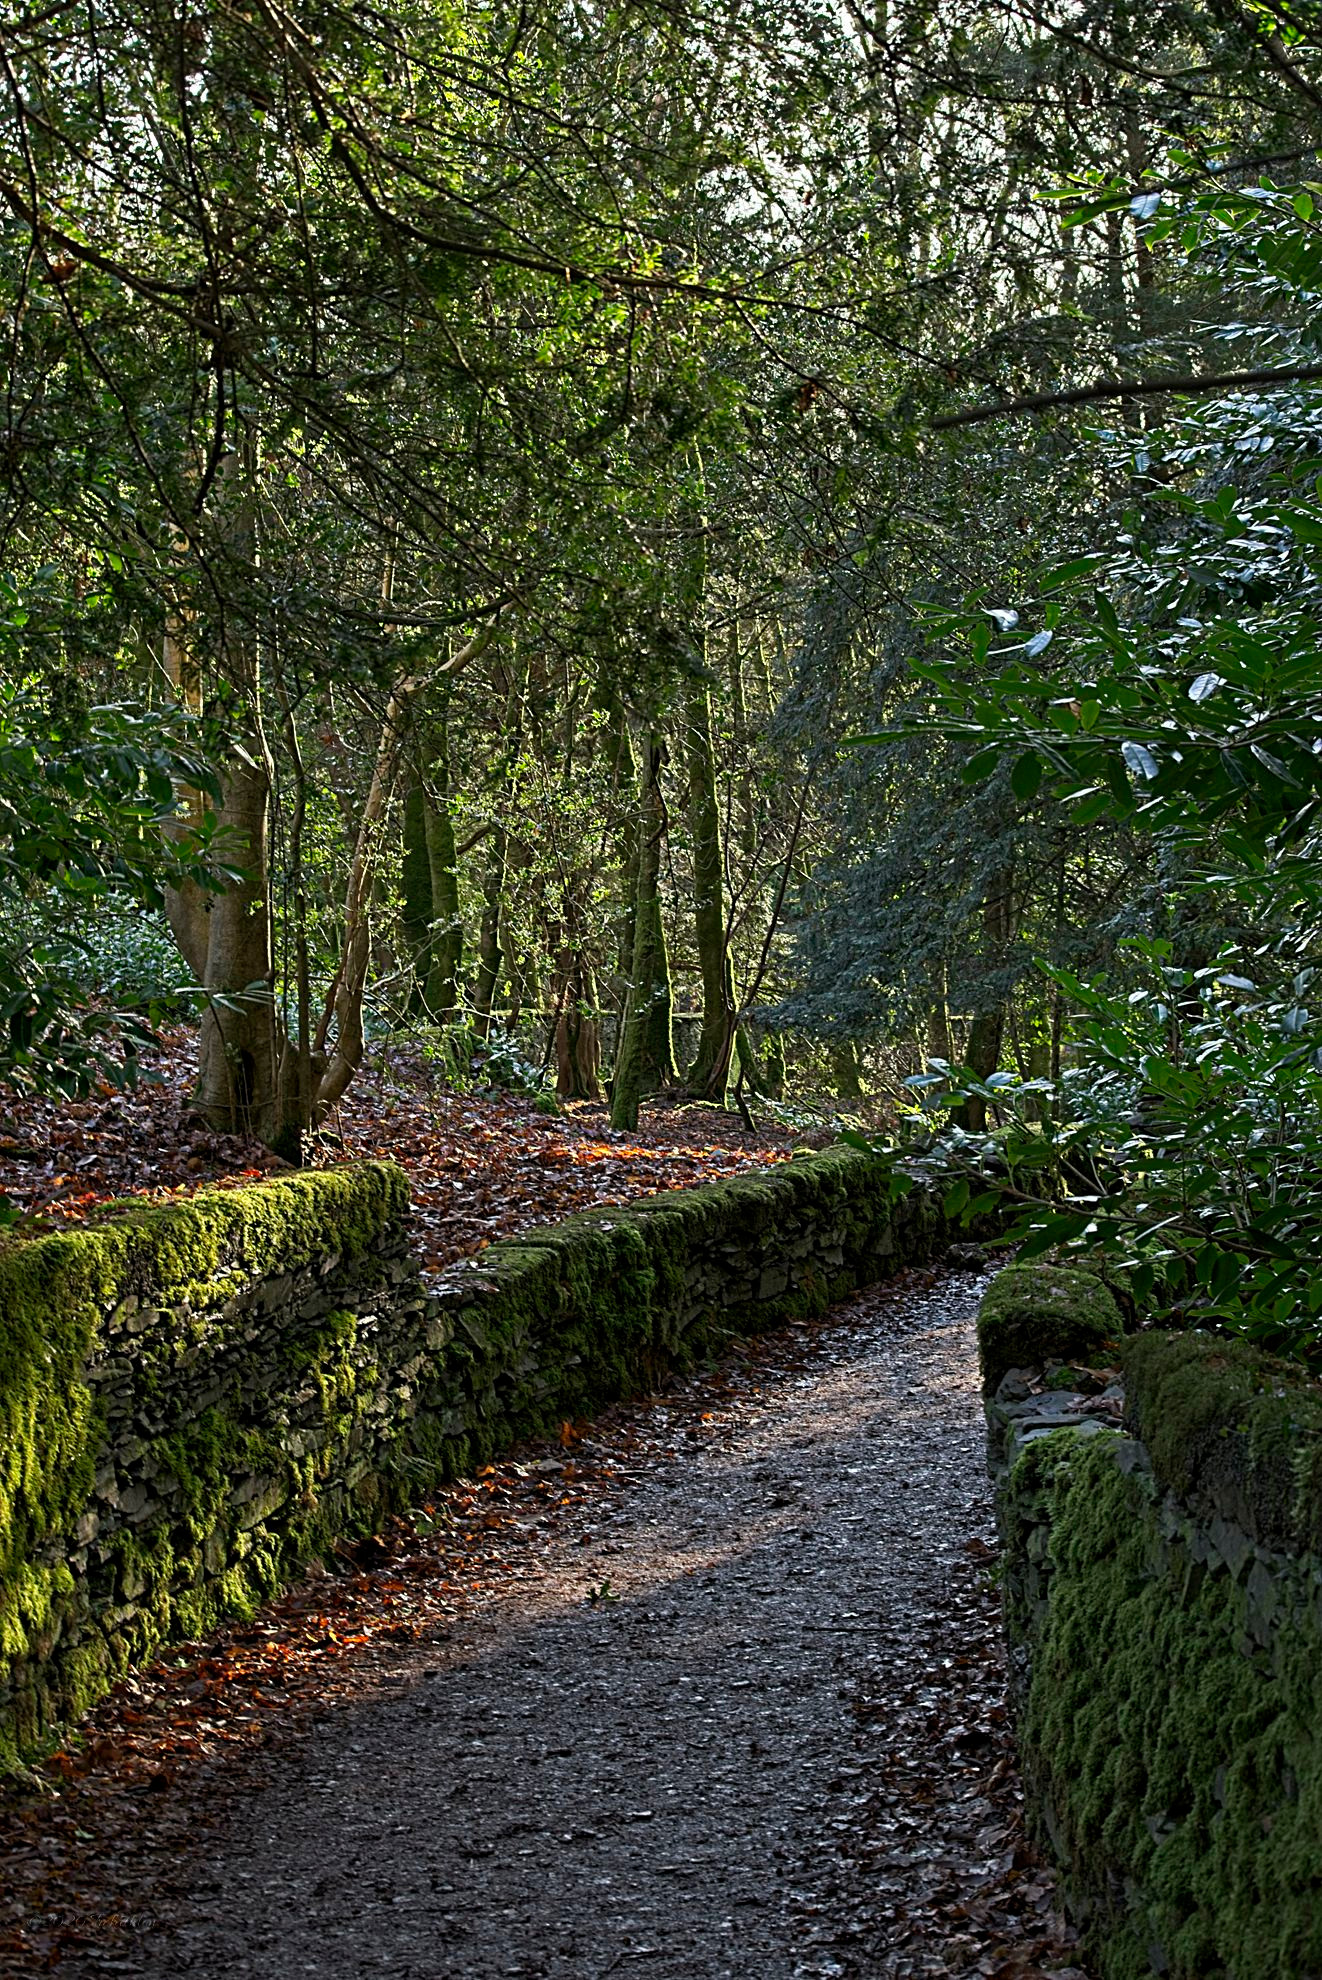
(482, 1166)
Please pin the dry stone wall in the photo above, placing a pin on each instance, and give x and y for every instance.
(1161, 1523)
(194, 1400)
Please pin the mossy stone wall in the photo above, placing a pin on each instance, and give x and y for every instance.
(196, 1399)
(1162, 1586)
(1031, 1314)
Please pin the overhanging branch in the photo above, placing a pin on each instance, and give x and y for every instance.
(1186, 383)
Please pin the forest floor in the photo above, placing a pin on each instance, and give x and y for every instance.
(481, 1166)
(712, 1688)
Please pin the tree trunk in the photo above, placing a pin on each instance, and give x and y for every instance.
(238, 1063)
(939, 1044)
(982, 1057)
(709, 1074)
(525, 979)
(740, 737)
(415, 886)
(844, 1065)
(294, 1073)
(578, 1035)
(186, 906)
(520, 955)
(447, 932)
(225, 937)
(433, 926)
(343, 1007)
(625, 791)
(645, 1058)
(344, 1004)
(488, 940)
(987, 1032)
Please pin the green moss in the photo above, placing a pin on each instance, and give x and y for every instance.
(1116, 1278)
(329, 1440)
(1182, 1767)
(1033, 1314)
(326, 1354)
(1228, 1424)
(64, 1297)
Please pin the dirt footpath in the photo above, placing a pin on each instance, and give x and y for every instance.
(740, 1716)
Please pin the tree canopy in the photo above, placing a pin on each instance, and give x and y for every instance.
(679, 551)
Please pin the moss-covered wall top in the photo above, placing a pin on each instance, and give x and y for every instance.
(1035, 1314)
(1233, 1431)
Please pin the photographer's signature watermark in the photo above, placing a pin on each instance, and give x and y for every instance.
(92, 1924)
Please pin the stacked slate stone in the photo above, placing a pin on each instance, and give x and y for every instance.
(1161, 1525)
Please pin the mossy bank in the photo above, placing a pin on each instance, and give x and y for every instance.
(1163, 1600)
(195, 1399)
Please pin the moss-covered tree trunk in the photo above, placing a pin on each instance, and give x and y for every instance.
(741, 737)
(645, 1059)
(761, 1067)
(415, 889)
(624, 787)
(846, 1071)
(433, 924)
(938, 1043)
(709, 1074)
(982, 1054)
(489, 956)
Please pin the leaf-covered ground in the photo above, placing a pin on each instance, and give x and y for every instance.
(712, 1687)
(482, 1165)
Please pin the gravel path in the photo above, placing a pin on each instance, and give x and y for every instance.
(737, 1720)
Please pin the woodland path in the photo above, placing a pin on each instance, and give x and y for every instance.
(773, 1749)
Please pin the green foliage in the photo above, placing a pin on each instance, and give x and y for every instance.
(127, 959)
(466, 1060)
(1168, 680)
(499, 1060)
(1185, 1145)
(84, 795)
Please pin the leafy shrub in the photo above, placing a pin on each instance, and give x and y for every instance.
(499, 1061)
(130, 958)
(1185, 1145)
(84, 796)
(1169, 679)
(464, 1060)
